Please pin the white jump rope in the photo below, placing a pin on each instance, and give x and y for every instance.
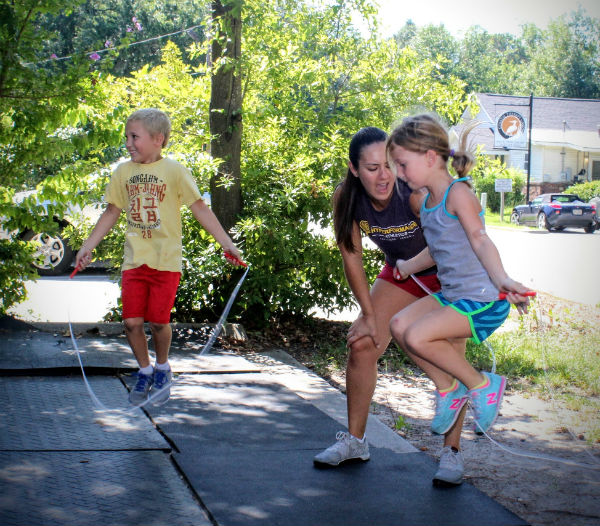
(207, 347)
(551, 458)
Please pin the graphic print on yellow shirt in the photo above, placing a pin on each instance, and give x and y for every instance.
(152, 196)
(145, 192)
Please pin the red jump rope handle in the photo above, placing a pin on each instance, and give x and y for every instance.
(531, 293)
(235, 260)
(74, 272)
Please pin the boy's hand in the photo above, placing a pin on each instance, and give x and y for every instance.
(233, 255)
(83, 258)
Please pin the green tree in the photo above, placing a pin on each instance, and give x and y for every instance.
(102, 24)
(565, 59)
(491, 63)
(49, 133)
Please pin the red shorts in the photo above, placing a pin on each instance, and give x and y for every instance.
(410, 285)
(148, 293)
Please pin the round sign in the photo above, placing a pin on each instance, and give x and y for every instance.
(511, 124)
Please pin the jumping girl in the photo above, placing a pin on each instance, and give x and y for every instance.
(469, 269)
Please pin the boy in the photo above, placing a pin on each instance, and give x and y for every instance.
(152, 190)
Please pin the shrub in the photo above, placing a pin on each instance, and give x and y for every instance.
(485, 173)
(15, 268)
(585, 190)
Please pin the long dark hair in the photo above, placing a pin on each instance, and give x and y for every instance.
(348, 190)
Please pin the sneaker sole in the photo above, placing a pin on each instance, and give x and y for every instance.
(463, 402)
(353, 460)
(441, 483)
(477, 428)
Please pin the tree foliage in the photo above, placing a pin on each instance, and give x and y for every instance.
(104, 24)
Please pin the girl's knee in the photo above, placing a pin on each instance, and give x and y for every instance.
(398, 326)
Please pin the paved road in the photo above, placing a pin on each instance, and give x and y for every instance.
(564, 264)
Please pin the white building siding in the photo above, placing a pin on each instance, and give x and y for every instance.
(537, 164)
(516, 159)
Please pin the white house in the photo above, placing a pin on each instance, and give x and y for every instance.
(565, 137)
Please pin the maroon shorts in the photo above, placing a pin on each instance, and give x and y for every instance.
(410, 285)
(148, 293)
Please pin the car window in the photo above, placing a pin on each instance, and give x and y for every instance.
(536, 201)
(565, 199)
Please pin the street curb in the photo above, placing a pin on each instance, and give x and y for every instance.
(229, 330)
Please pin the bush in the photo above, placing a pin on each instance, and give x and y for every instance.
(485, 173)
(586, 191)
(15, 269)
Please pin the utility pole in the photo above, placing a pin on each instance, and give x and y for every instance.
(529, 146)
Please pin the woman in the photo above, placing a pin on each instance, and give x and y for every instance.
(372, 200)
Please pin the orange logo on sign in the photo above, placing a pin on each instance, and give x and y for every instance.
(510, 124)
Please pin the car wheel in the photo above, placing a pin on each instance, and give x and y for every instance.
(590, 229)
(514, 218)
(53, 255)
(542, 222)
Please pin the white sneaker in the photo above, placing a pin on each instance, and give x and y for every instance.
(451, 469)
(346, 448)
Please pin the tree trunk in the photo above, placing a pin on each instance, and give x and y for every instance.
(226, 110)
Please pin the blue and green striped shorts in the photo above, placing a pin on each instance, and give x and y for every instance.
(484, 318)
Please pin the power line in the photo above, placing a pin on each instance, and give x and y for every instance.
(189, 30)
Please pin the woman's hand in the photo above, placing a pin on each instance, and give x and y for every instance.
(363, 327)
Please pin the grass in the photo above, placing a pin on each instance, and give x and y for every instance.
(556, 356)
(493, 219)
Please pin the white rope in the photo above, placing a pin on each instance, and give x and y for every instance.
(207, 347)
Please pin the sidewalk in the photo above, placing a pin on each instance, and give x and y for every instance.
(233, 446)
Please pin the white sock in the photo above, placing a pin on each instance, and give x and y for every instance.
(163, 366)
(147, 370)
(360, 440)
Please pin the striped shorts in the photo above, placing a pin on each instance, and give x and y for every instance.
(484, 318)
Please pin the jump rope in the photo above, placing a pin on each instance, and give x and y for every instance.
(507, 449)
(207, 346)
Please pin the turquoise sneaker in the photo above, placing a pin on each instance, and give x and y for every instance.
(486, 401)
(447, 408)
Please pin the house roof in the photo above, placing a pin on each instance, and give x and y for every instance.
(573, 123)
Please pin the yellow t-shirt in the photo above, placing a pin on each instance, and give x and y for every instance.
(152, 196)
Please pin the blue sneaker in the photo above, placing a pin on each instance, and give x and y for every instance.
(139, 393)
(161, 389)
(486, 401)
(447, 408)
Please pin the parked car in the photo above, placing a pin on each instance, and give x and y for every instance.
(54, 255)
(557, 212)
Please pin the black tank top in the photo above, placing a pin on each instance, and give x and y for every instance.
(395, 229)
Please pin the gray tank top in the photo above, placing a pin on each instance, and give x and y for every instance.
(459, 270)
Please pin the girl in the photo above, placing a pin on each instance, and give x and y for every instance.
(469, 268)
(371, 199)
